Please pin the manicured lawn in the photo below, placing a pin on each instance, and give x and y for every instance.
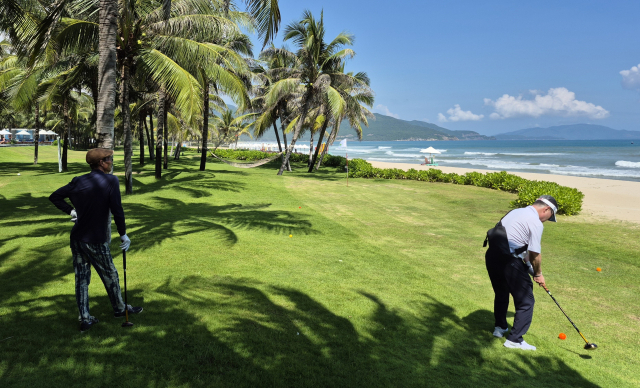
(381, 284)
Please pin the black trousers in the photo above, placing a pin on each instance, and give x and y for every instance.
(509, 276)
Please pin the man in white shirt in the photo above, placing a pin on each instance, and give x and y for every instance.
(509, 270)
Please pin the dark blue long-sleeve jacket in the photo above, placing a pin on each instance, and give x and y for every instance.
(93, 195)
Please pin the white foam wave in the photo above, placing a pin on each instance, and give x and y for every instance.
(383, 148)
(481, 153)
(624, 163)
(389, 159)
(514, 153)
(391, 153)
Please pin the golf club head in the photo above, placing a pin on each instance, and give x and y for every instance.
(591, 346)
(127, 324)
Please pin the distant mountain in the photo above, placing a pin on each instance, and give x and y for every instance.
(386, 128)
(570, 132)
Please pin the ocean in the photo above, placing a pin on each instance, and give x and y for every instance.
(609, 159)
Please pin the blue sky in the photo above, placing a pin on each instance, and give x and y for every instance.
(493, 66)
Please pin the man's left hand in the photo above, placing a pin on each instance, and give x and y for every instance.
(74, 215)
(125, 243)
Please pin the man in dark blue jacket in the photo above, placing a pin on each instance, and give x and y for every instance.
(95, 196)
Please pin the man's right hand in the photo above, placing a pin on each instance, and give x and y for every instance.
(74, 215)
(540, 280)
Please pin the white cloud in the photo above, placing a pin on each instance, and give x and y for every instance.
(631, 78)
(383, 110)
(457, 114)
(557, 102)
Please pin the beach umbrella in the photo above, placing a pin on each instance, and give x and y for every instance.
(430, 150)
(23, 133)
(4, 132)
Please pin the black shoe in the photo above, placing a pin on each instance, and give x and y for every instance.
(132, 310)
(86, 325)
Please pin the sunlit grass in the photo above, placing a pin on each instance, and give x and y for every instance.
(381, 284)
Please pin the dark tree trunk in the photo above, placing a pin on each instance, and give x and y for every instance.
(126, 123)
(315, 154)
(296, 133)
(65, 112)
(141, 136)
(205, 126)
(166, 135)
(108, 31)
(150, 138)
(275, 129)
(37, 135)
(284, 138)
(161, 106)
(310, 150)
(330, 139)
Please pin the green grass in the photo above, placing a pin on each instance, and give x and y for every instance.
(381, 284)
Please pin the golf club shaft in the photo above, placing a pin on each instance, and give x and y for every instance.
(565, 314)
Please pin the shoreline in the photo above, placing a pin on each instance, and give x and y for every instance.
(607, 198)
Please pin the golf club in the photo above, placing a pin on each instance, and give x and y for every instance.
(126, 323)
(588, 346)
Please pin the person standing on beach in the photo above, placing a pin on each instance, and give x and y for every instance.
(94, 195)
(513, 254)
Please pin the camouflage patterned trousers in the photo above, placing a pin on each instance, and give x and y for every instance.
(84, 256)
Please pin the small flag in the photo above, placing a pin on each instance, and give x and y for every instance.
(343, 143)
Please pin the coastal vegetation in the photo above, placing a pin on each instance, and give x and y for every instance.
(382, 283)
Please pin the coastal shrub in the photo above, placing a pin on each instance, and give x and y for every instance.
(569, 199)
(252, 155)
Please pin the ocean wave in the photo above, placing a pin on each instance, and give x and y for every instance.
(391, 153)
(514, 153)
(624, 163)
(389, 159)
(383, 148)
(481, 153)
(550, 168)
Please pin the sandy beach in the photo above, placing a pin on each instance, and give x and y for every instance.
(605, 198)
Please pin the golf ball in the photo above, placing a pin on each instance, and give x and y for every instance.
(18, 174)
(562, 336)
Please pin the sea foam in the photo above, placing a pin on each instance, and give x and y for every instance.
(624, 163)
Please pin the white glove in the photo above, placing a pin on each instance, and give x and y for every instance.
(74, 215)
(125, 243)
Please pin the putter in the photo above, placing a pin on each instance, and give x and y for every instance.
(589, 345)
(126, 323)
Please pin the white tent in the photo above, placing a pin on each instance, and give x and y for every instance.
(23, 133)
(4, 132)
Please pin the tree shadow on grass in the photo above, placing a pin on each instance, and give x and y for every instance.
(173, 218)
(42, 168)
(196, 185)
(227, 332)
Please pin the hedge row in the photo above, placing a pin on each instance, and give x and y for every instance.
(328, 161)
(569, 199)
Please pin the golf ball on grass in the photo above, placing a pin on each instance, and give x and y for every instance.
(562, 336)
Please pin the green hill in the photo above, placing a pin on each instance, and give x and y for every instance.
(570, 132)
(386, 128)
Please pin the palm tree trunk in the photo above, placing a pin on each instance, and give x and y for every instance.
(205, 125)
(149, 138)
(108, 30)
(141, 136)
(65, 112)
(315, 154)
(284, 138)
(37, 135)
(310, 150)
(296, 133)
(332, 137)
(161, 107)
(166, 135)
(126, 122)
(275, 129)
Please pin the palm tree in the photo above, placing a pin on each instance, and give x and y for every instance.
(356, 91)
(227, 127)
(311, 84)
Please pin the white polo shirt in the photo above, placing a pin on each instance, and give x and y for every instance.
(523, 226)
